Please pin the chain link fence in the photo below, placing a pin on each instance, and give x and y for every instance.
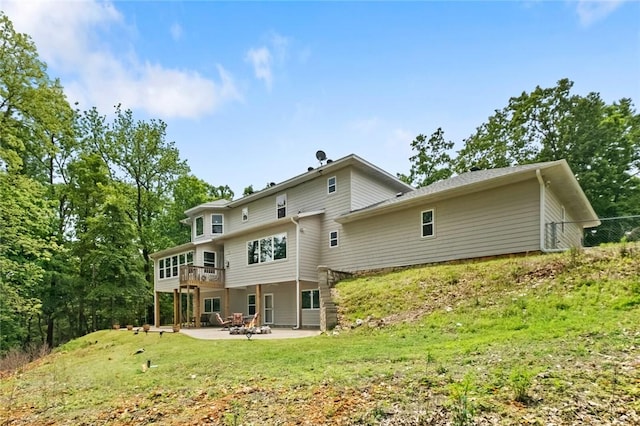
(611, 230)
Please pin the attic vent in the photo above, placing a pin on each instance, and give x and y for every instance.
(309, 168)
(272, 184)
(399, 194)
(475, 169)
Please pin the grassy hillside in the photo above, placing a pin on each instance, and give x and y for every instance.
(551, 339)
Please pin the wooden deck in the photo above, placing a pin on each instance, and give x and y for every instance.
(201, 277)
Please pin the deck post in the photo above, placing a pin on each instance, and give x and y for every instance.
(227, 293)
(259, 304)
(176, 307)
(196, 307)
(156, 309)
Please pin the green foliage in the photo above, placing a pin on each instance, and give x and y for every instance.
(187, 191)
(600, 141)
(431, 161)
(24, 248)
(461, 405)
(428, 366)
(520, 380)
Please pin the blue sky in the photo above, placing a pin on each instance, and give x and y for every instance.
(251, 90)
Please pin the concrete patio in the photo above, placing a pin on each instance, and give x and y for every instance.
(216, 333)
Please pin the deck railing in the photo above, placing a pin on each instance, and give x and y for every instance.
(202, 276)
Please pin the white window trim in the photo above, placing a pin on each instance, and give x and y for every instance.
(264, 308)
(433, 223)
(195, 226)
(337, 239)
(215, 259)
(284, 206)
(311, 291)
(259, 262)
(214, 224)
(169, 261)
(335, 185)
(255, 304)
(204, 305)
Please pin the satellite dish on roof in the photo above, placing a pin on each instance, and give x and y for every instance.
(321, 156)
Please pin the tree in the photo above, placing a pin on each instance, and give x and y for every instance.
(118, 283)
(149, 164)
(248, 191)
(25, 246)
(600, 142)
(36, 140)
(187, 191)
(33, 109)
(431, 162)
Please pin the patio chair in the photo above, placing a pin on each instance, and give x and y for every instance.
(238, 319)
(222, 322)
(205, 320)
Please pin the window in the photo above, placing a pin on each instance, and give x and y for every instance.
(169, 266)
(199, 226)
(252, 252)
(209, 259)
(251, 304)
(333, 239)
(217, 224)
(245, 214)
(311, 299)
(267, 249)
(331, 185)
(281, 205)
(174, 265)
(427, 223)
(211, 305)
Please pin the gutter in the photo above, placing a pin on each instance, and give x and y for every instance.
(298, 322)
(542, 211)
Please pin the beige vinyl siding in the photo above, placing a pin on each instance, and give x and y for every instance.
(307, 197)
(284, 303)
(493, 222)
(309, 247)
(367, 191)
(198, 256)
(165, 284)
(206, 294)
(240, 273)
(567, 234)
(309, 317)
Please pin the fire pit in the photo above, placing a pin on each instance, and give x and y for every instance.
(250, 329)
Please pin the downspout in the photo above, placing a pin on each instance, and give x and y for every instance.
(297, 273)
(543, 198)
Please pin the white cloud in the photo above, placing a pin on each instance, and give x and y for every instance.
(280, 45)
(68, 38)
(176, 31)
(264, 59)
(590, 11)
(261, 61)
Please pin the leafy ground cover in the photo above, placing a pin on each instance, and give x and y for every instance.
(536, 340)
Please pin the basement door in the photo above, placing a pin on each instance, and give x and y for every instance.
(268, 308)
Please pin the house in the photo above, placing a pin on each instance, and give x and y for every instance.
(271, 252)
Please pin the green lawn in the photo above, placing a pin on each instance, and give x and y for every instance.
(529, 340)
